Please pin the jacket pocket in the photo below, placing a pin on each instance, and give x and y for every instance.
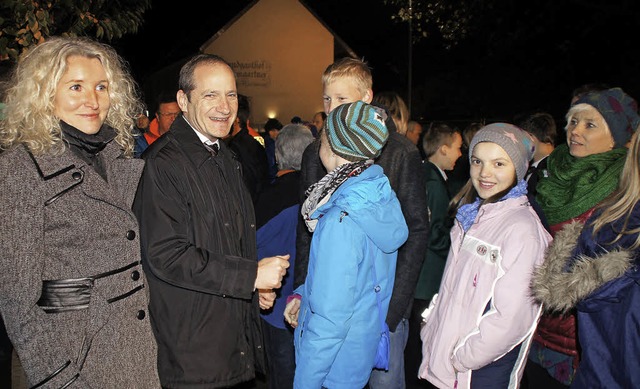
(59, 296)
(302, 323)
(54, 374)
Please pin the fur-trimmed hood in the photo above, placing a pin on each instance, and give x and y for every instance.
(559, 290)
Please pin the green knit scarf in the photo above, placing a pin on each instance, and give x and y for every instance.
(575, 185)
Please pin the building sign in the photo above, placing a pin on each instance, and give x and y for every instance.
(252, 73)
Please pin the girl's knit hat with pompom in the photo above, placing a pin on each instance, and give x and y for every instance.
(516, 142)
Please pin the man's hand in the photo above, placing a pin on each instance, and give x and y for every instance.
(270, 272)
(291, 312)
(266, 297)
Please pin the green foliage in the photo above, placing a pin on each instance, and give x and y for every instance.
(451, 19)
(24, 23)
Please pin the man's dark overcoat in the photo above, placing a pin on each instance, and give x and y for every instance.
(199, 252)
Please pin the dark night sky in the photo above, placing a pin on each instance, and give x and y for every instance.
(521, 56)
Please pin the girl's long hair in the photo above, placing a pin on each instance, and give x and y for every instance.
(468, 195)
(620, 204)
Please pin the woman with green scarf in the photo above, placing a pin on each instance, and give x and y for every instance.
(580, 174)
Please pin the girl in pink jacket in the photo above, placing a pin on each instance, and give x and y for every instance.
(478, 328)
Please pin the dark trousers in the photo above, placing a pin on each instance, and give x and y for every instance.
(6, 351)
(496, 374)
(413, 351)
(281, 356)
(535, 376)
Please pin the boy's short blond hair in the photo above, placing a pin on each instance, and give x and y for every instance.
(353, 69)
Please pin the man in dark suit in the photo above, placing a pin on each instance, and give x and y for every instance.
(198, 240)
(542, 128)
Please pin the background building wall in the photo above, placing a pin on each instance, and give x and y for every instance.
(279, 51)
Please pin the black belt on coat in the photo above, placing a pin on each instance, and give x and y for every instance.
(74, 294)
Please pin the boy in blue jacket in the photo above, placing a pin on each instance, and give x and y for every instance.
(358, 227)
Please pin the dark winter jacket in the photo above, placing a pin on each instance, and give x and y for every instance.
(199, 252)
(400, 160)
(602, 281)
(253, 158)
(440, 224)
(277, 211)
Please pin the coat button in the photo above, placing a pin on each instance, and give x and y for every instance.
(141, 314)
(76, 175)
(131, 235)
(135, 275)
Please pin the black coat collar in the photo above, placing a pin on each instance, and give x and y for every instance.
(189, 141)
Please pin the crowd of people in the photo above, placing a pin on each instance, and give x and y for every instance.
(192, 251)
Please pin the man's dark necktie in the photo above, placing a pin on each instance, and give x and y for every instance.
(531, 170)
(213, 148)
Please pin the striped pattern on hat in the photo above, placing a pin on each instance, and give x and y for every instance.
(356, 131)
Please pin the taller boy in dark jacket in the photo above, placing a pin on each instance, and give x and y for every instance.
(441, 146)
(349, 80)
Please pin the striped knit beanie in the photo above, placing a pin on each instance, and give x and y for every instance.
(516, 142)
(356, 131)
